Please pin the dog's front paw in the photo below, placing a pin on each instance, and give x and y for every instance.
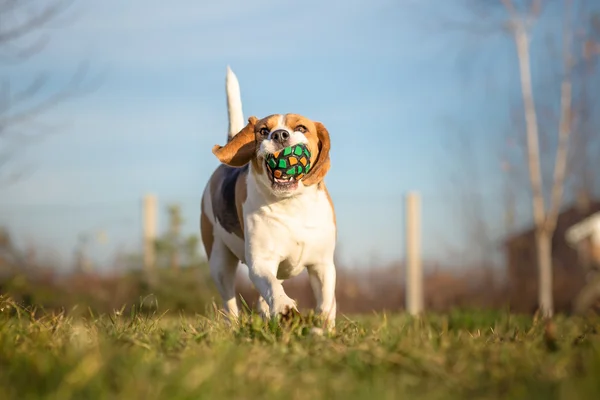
(285, 309)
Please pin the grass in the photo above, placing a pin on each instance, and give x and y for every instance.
(461, 355)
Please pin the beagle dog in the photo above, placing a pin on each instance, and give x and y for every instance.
(276, 227)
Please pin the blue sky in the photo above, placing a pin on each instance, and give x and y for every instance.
(373, 72)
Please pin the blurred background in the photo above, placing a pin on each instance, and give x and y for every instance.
(109, 111)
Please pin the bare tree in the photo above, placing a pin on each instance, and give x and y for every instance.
(544, 217)
(574, 132)
(584, 157)
(24, 28)
(547, 174)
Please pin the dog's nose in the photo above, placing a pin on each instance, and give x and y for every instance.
(280, 135)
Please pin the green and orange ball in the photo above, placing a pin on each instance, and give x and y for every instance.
(290, 162)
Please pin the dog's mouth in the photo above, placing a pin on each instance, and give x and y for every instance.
(281, 183)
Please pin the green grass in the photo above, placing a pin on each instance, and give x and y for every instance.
(462, 355)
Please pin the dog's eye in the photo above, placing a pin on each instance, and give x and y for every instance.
(264, 131)
(301, 128)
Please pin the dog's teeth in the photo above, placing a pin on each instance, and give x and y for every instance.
(286, 180)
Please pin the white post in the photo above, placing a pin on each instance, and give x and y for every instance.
(414, 273)
(149, 229)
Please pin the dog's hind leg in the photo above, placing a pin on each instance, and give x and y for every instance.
(223, 266)
(322, 280)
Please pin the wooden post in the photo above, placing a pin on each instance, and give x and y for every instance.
(414, 273)
(174, 228)
(149, 227)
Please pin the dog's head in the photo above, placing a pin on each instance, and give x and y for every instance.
(270, 135)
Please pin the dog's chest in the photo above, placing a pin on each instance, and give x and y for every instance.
(296, 232)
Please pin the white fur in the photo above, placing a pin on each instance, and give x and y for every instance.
(267, 146)
(284, 233)
(234, 104)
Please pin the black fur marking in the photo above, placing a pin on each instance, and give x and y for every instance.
(223, 200)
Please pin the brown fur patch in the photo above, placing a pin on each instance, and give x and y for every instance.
(268, 122)
(240, 149)
(595, 252)
(323, 162)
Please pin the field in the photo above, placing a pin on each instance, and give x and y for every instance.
(459, 355)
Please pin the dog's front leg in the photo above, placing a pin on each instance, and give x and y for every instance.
(322, 280)
(263, 274)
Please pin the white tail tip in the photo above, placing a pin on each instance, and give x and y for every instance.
(234, 104)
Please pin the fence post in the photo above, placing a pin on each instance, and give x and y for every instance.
(149, 230)
(414, 273)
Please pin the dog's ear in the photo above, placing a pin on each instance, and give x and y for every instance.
(240, 150)
(322, 164)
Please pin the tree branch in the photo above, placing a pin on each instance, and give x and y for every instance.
(32, 23)
(14, 54)
(565, 125)
(535, 176)
(510, 7)
(74, 88)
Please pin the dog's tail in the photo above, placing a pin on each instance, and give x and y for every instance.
(234, 104)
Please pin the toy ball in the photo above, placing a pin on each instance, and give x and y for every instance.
(290, 162)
